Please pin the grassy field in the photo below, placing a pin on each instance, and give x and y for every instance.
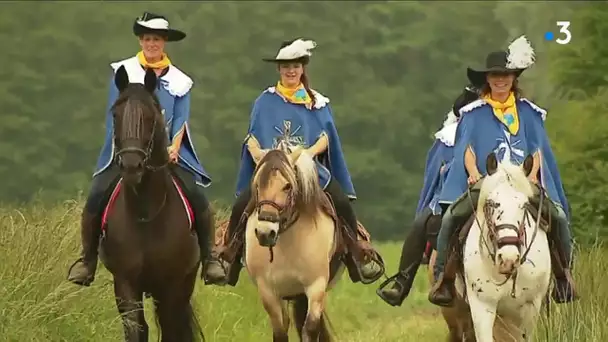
(37, 304)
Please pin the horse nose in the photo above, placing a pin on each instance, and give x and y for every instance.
(130, 162)
(507, 265)
(266, 239)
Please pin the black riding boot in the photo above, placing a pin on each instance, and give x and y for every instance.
(411, 258)
(369, 269)
(204, 224)
(203, 216)
(454, 217)
(561, 237)
(82, 271)
(217, 273)
(564, 290)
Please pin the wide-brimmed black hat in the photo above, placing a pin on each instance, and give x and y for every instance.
(150, 23)
(515, 60)
(297, 50)
(469, 94)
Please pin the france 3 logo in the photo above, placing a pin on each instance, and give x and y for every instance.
(564, 35)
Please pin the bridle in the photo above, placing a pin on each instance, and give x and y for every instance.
(287, 215)
(493, 229)
(134, 131)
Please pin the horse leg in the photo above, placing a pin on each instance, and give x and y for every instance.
(313, 325)
(483, 315)
(129, 300)
(176, 318)
(529, 317)
(279, 319)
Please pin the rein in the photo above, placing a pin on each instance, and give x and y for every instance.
(134, 132)
(493, 229)
(146, 153)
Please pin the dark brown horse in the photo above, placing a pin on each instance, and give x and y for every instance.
(148, 244)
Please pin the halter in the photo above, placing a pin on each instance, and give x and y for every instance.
(286, 218)
(493, 230)
(134, 132)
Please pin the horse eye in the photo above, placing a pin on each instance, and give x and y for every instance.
(287, 187)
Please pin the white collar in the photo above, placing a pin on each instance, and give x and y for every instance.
(481, 102)
(176, 82)
(447, 134)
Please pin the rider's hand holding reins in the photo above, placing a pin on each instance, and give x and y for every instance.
(173, 153)
(474, 177)
(470, 164)
(533, 176)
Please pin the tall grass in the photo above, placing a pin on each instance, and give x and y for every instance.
(38, 244)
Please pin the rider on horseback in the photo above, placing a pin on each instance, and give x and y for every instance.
(292, 105)
(173, 93)
(504, 122)
(438, 163)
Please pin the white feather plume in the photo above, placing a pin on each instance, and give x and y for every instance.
(521, 54)
(299, 48)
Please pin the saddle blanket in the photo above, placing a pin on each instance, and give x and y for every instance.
(116, 191)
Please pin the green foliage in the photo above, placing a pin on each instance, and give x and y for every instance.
(391, 70)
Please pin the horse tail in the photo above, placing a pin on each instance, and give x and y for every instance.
(182, 322)
(300, 310)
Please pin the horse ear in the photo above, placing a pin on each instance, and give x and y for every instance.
(121, 79)
(528, 163)
(293, 156)
(491, 163)
(150, 80)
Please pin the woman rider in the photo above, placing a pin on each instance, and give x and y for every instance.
(504, 122)
(293, 110)
(173, 93)
(438, 162)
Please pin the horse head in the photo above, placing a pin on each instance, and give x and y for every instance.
(503, 201)
(139, 131)
(285, 185)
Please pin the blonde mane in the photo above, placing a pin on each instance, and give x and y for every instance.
(507, 174)
(302, 173)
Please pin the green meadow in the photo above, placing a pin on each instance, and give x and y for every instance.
(37, 304)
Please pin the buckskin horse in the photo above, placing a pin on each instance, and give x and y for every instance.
(291, 244)
(503, 270)
(147, 242)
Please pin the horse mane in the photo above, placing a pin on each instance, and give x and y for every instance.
(308, 181)
(307, 193)
(507, 174)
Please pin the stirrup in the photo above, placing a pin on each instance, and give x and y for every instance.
(84, 282)
(392, 279)
(380, 272)
(219, 282)
(395, 281)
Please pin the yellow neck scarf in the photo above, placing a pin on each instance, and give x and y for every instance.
(163, 63)
(505, 112)
(297, 95)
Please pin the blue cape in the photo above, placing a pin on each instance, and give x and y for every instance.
(176, 111)
(270, 116)
(438, 155)
(481, 130)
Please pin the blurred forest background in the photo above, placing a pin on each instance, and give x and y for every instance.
(391, 70)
